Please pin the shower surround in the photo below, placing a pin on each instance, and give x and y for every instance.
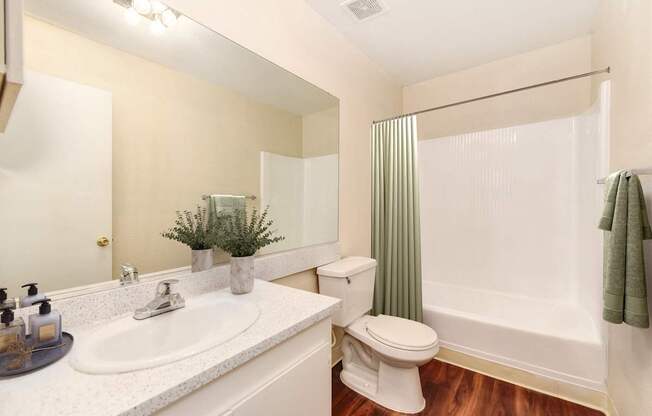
(511, 252)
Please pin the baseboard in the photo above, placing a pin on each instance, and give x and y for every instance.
(336, 362)
(529, 368)
(611, 408)
(572, 392)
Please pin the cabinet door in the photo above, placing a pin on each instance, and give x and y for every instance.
(304, 389)
(300, 366)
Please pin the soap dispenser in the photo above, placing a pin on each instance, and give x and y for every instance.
(4, 302)
(32, 295)
(45, 326)
(11, 330)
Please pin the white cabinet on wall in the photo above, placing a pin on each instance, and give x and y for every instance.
(292, 379)
(11, 58)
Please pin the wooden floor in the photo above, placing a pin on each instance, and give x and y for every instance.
(454, 391)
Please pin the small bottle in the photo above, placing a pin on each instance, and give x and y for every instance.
(11, 331)
(45, 326)
(4, 302)
(32, 295)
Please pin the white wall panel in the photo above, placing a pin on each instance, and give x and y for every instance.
(500, 208)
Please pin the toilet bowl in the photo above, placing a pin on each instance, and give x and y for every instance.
(381, 359)
(381, 354)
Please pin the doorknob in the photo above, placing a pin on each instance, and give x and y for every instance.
(103, 241)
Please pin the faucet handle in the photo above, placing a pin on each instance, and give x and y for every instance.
(128, 274)
(164, 287)
(127, 267)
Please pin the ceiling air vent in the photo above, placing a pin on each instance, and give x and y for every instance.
(364, 9)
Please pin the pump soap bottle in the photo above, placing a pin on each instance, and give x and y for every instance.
(11, 331)
(45, 326)
(6, 303)
(32, 295)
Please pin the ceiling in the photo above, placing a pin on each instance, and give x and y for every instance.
(416, 40)
(187, 47)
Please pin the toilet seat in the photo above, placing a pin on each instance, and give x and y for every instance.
(401, 333)
(358, 329)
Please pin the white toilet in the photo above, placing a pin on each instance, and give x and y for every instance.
(381, 353)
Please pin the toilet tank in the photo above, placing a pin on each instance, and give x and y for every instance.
(352, 280)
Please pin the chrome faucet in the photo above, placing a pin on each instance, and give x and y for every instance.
(128, 274)
(164, 301)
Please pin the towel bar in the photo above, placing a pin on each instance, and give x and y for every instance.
(252, 197)
(647, 171)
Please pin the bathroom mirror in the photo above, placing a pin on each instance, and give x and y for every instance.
(131, 111)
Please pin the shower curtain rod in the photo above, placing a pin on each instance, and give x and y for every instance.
(498, 94)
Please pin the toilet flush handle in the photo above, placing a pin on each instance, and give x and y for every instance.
(348, 280)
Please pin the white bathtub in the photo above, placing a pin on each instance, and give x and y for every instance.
(556, 340)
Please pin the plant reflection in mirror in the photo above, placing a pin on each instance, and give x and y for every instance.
(199, 231)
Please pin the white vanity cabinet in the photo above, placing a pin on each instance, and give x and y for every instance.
(291, 379)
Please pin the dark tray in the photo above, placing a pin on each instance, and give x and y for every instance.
(43, 358)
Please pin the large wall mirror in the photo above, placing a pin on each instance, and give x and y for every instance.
(125, 119)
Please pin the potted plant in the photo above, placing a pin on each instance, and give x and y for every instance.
(242, 237)
(198, 231)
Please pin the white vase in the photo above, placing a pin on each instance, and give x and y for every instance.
(242, 275)
(202, 260)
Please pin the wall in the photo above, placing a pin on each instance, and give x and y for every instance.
(623, 40)
(541, 65)
(482, 225)
(318, 131)
(174, 138)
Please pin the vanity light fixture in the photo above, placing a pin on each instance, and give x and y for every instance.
(157, 7)
(169, 18)
(160, 16)
(143, 7)
(156, 27)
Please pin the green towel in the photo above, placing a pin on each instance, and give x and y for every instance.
(626, 225)
(226, 204)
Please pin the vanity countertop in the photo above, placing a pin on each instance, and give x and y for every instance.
(61, 390)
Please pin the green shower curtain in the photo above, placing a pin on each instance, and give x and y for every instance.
(395, 238)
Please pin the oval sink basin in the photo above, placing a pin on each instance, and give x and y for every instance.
(125, 344)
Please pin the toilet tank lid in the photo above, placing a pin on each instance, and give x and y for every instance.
(346, 267)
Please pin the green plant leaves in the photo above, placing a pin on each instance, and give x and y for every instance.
(199, 231)
(236, 234)
(241, 236)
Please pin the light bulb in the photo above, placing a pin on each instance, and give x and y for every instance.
(158, 7)
(132, 16)
(142, 6)
(169, 18)
(156, 27)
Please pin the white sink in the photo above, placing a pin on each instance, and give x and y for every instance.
(125, 344)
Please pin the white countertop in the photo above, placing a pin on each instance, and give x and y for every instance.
(61, 390)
